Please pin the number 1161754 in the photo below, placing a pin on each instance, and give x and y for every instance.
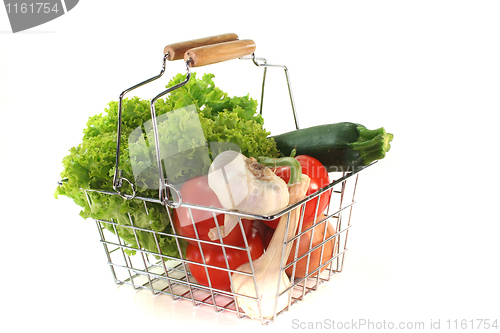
(32, 8)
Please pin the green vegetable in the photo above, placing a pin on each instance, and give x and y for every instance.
(339, 147)
(90, 165)
(290, 162)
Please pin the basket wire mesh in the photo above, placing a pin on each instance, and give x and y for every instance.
(167, 275)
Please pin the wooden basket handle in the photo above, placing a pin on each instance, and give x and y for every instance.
(176, 50)
(211, 54)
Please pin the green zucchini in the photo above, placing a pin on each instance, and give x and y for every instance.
(339, 147)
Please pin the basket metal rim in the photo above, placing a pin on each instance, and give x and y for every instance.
(237, 213)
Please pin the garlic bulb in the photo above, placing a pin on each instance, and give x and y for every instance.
(267, 269)
(244, 185)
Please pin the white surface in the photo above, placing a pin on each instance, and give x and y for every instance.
(424, 246)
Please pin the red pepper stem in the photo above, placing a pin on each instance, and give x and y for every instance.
(292, 163)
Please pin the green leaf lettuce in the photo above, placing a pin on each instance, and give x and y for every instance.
(217, 118)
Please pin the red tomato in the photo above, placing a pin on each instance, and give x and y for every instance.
(319, 179)
(215, 257)
(197, 191)
(267, 235)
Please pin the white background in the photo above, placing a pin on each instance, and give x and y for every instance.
(424, 245)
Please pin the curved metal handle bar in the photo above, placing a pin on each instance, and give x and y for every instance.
(117, 179)
(266, 65)
(171, 52)
(163, 186)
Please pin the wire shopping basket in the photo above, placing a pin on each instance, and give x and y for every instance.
(148, 267)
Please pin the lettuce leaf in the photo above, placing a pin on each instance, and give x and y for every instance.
(223, 119)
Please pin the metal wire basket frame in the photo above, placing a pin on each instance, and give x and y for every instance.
(162, 274)
(167, 275)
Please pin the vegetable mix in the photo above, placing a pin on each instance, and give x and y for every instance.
(91, 164)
